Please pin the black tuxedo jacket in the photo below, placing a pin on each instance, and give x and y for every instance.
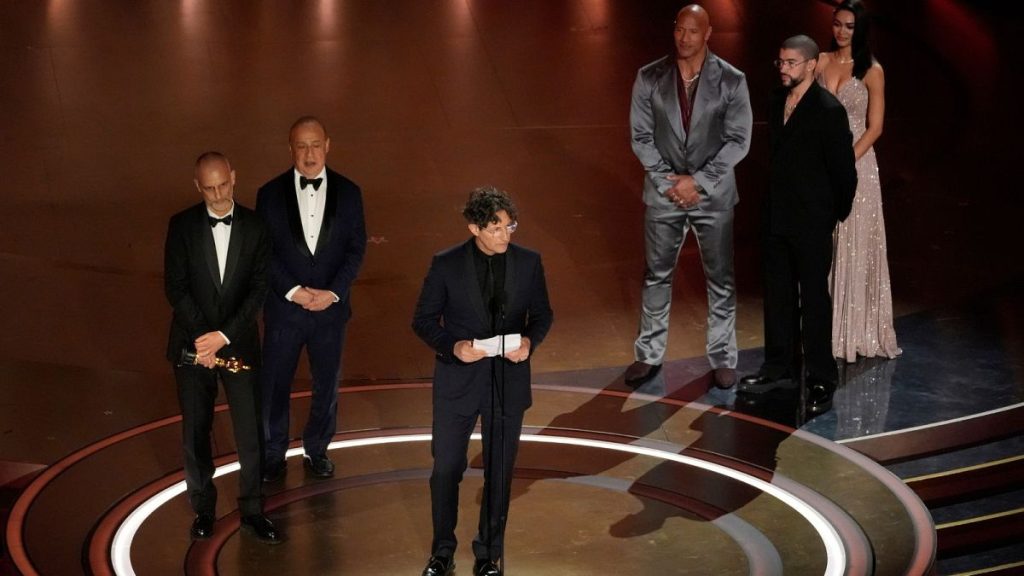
(201, 301)
(451, 308)
(339, 250)
(813, 173)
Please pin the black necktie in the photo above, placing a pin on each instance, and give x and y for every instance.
(303, 182)
(489, 282)
(214, 221)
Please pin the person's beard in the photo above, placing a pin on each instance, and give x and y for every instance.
(793, 82)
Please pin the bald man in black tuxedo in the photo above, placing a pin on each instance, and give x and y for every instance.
(216, 261)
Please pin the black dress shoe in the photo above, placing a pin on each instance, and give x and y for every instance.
(275, 472)
(261, 527)
(319, 466)
(760, 383)
(819, 397)
(202, 527)
(640, 372)
(439, 566)
(486, 568)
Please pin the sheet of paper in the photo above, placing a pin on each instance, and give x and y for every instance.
(493, 346)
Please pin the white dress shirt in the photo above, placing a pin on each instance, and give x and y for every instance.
(221, 241)
(311, 212)
(311, 208)
(222, 238)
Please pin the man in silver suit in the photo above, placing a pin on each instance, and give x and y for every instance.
(690, 119)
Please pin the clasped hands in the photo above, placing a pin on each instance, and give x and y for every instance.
(313, 299)
(465, 351)
(207, 347)
(684, 192)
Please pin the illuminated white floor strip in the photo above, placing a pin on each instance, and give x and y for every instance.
(120, 549)
(931, 425)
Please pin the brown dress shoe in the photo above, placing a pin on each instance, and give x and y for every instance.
(725, 378)
(640, 372)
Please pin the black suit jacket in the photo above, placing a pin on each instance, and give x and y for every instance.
(201, 301)
(339, 250)
(813, 173)
(451, 308)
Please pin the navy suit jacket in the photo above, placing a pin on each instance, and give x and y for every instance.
(813, 172)
(201, 301)
(451, 308)
(339, 251)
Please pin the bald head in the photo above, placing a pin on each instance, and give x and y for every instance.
(692, 30)
(696, 12)
(215, 180)
(209, 160)
(309, 144)
(307, 121)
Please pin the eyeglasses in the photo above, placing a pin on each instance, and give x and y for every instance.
(780, 64)
(510, 229)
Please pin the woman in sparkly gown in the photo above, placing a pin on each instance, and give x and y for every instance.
(861, 296)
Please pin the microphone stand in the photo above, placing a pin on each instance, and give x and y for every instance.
(497, 306)
(502, 516)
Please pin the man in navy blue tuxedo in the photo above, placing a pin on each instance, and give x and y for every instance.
(480, 288)
(315, 218)
(215, 276)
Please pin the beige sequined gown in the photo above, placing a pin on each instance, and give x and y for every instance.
(861, 296)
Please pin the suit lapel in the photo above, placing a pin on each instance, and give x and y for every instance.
(209, 248)
(668, 87)
(294, 220)
(775, 121)
(472, 286)
(330, 206)
(234, 246)
(707, 91)
(511, 277)
(791, 129)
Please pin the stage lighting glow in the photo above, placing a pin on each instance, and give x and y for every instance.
(120, 549)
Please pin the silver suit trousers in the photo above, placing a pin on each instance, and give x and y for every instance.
(664, 234)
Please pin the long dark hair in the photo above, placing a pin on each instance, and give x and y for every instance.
(859, 48)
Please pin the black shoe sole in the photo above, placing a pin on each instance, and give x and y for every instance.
(449, 572)
(252, 532)
(273, 479)
(781, 383)
(819, 409)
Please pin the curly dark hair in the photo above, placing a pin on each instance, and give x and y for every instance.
(484, 204)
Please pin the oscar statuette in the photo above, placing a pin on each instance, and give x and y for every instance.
(233, 365)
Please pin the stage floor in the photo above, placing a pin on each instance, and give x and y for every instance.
(106, 105)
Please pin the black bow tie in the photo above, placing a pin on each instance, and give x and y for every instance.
(214, 221)
(303, 182)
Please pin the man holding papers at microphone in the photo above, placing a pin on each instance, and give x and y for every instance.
(483, 309)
